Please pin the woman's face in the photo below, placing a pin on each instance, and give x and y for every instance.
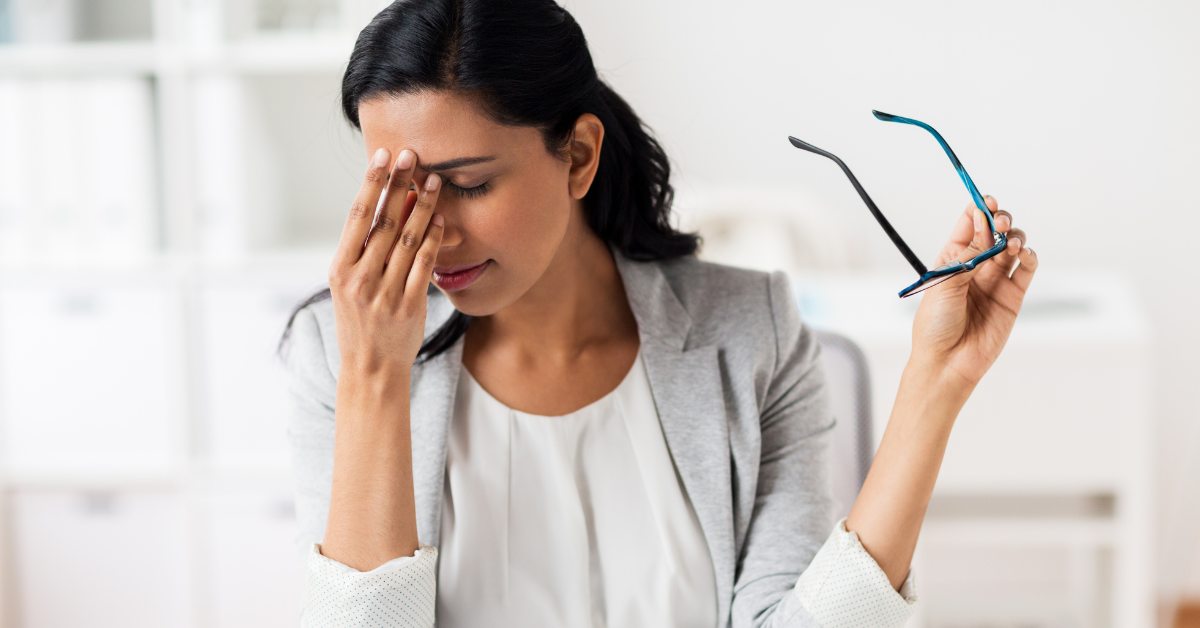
(506, 200)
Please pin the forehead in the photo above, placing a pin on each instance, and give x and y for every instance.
(438, 126)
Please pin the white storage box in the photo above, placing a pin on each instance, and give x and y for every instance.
(100, 559)
(90, 375)
(254, 570)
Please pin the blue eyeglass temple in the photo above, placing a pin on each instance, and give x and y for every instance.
(941, 272)
(962, 172)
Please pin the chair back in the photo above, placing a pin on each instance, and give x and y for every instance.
(853, 446)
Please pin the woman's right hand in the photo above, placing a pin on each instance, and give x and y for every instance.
(378, 289)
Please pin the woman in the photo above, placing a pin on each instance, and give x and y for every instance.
(583, 424)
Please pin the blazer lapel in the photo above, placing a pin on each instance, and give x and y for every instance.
(687, 388)
(430, 409)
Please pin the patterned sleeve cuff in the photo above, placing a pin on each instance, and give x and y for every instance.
(399, 593)
(844, 587)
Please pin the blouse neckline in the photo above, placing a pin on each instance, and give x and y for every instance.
(590, 408)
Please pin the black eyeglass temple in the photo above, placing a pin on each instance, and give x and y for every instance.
(913, 260)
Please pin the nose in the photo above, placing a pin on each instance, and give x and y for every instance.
(452, 236)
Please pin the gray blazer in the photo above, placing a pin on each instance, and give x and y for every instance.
(742, 400)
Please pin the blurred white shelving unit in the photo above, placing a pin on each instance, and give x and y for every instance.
(144, 475)
(1043, 511)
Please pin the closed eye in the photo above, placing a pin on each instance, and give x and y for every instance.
(471, 192)
(466, 192)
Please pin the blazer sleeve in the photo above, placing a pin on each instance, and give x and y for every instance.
(399, 593)
(774, 586)
(311, 391)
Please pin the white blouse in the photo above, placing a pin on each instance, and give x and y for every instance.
(576, 521)
(579, 521)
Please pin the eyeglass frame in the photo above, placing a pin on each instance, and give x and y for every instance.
(949, 269)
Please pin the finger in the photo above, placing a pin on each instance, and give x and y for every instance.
(981, 239)
(422, 269)
(1023, 274)
(1016, 241)
(410, 201)
(388, 223)
(966, 233)
(413, 233)
(362, 211)
(1003, 220)
(1001, 266)
(964, 229)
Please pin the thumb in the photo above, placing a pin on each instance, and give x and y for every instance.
(982, 239)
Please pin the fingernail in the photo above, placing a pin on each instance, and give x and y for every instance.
(381, 158)
(438, 220)
(1029, 250)
(978, 220)
(406, 160)
(432, 182)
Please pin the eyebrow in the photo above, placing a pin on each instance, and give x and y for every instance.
(455, 163)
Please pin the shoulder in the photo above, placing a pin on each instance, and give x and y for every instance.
(731, 305)
(768, 356)
(309, 352)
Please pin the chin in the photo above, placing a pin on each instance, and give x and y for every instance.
(474, 302)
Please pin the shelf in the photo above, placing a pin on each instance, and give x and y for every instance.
(1020, 532)
(78, 58)
(207, 318)
(312, 259)
(276, 54)
(1062, 309)
(244, 477)
(93, 480)
(282, 54)
(202, 475)
(286, 259)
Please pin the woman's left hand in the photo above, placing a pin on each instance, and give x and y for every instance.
(960, 328)
(964, 322)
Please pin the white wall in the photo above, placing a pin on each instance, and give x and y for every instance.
(1080, 117)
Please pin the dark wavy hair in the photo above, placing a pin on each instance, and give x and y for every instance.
(526, 63)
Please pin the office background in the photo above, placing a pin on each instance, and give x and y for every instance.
(173, 174)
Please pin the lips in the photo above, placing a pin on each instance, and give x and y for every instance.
(454, 278)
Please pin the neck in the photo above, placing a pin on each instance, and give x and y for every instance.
(578, 305)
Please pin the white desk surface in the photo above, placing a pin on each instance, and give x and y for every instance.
(1060, 309)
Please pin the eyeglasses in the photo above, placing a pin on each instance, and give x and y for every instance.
(929, 278)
